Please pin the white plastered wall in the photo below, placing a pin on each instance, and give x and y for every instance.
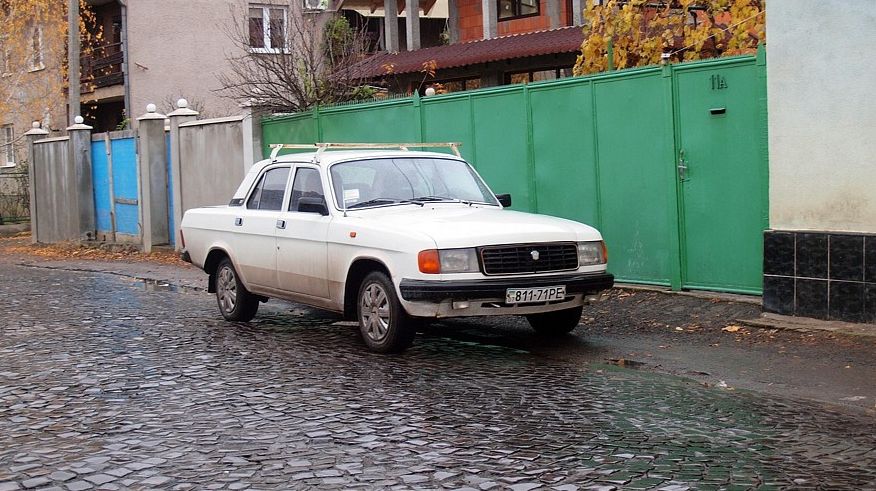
(821, 76)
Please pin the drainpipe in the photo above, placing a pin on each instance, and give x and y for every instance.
(73, 62)
(127, 81)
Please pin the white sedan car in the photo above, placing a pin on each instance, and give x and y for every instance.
(391, 238)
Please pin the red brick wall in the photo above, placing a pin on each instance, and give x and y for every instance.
(471, 23)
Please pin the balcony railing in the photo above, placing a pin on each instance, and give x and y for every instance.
(102, 67)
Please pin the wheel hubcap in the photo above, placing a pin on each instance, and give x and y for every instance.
(375, 312)
(226, 289)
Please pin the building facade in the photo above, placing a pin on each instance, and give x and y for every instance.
(484, 43)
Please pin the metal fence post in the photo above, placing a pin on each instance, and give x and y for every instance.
(35, 133)
(676, 242)
(418, 108)
(318, 119)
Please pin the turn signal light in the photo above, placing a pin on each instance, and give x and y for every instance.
(429, 261)
(604, 253)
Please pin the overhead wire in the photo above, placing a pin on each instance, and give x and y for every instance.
(726, 29)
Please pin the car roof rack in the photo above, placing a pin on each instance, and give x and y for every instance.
(321, 147)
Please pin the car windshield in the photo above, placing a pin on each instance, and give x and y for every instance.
(377, 182)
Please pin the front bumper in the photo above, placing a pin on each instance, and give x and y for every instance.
(439, 290)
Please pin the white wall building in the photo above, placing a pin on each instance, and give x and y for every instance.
(820, 257)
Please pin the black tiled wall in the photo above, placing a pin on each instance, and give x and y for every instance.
(820, 274)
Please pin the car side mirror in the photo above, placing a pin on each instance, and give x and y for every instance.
(313, 205)
(504, 200)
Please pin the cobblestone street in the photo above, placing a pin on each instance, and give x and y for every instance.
(108, 384)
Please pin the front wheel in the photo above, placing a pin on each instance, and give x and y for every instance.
(235, 302)
(556, 323)
(383, 323)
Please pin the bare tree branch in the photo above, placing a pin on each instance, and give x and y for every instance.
(313, 67)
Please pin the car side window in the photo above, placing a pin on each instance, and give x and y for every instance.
(268, 194)
(307, 184)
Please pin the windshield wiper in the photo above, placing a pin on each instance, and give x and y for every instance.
(436, 198)
(377, 201)
(452, 200)
(371, 202)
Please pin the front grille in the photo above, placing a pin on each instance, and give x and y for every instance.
(514, 259)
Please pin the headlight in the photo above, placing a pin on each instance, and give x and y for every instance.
(592, 253)
(459, 261)
(448, 261)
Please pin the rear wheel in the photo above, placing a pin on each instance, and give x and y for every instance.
(383, 323)
(556, 323)
(235, 302)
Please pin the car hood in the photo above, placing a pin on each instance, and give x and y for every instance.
(454, 225)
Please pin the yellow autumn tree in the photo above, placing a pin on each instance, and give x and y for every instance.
(33, 59)
(639, 32)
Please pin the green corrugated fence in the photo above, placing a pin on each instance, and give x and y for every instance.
(670, 163)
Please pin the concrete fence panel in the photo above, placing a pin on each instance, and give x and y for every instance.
(212, 161)
(54, 183)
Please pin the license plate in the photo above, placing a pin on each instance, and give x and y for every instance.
(535, 295)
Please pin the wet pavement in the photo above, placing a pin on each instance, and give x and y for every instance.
(110, 383)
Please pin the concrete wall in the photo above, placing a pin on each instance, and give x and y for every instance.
(54, 184)
(212, 161)
(821, 72)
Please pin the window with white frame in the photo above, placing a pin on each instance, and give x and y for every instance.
(7, 146)
(36, 55)
(268, 28)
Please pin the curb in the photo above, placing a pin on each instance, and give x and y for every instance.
(809, 326)
(704, 294)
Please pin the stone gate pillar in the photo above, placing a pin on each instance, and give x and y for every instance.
(152, 177)
(79, 149)
(181, 115)
(35, 133)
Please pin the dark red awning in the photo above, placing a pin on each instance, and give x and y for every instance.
(562, 40)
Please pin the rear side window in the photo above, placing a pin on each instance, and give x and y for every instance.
(268, 194)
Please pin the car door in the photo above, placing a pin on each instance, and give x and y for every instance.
(302, 253)
(254, 226)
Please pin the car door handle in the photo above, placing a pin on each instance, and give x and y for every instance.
(238, 222)
(281, 223)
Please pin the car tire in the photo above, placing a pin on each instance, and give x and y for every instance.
(235, 302)
(383, 323)
(556, 323)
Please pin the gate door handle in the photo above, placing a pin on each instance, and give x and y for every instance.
(238, 222)
(281, 223)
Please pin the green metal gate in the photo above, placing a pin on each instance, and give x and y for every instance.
(605, 150)
(721, 169)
